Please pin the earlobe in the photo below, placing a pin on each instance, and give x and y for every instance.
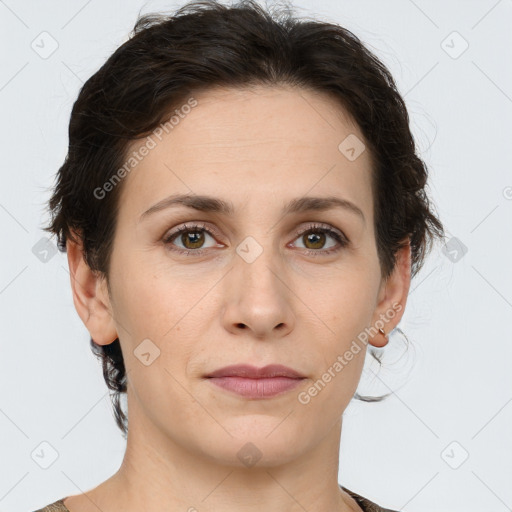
(90, 295)
(393, 297)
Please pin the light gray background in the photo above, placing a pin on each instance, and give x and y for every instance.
(452, 388)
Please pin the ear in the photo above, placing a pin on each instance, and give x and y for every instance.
(393, 295)
(90, 295)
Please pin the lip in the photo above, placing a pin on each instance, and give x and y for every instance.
(256, 383)
(252, 372)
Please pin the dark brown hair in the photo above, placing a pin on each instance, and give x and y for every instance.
(206, 44)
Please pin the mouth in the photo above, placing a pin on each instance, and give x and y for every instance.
(256, 383)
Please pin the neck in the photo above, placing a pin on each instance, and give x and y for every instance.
(159, 472)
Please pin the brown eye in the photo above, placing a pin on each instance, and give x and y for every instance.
(191, 237)
(194, 238)
(316, 239)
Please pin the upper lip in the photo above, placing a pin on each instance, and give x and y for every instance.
(253, 372)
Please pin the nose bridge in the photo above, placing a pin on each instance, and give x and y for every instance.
(259, 262)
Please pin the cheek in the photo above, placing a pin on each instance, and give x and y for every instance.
(151, 296)
(165, 307)
(345, 304)
(346, 310)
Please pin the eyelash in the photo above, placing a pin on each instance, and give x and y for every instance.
(314, 228)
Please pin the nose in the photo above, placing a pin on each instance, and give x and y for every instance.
(257, 299)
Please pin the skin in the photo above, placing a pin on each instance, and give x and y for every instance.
(257, 148)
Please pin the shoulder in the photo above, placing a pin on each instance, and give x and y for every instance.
(57, 506)
(365, 503)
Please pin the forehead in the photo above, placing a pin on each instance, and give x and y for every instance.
(252, 144)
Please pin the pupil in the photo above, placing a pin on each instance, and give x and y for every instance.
(193, 237)
(316, 239)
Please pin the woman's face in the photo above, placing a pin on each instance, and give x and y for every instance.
(259, 285)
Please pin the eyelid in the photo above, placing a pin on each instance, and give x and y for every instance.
(320, 226)
(190, 226)
(340, 237)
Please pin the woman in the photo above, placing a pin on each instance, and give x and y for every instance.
(243, 209)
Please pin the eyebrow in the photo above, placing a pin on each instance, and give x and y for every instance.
(211, 204)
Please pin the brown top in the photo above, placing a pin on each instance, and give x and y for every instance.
(58, 506)
(365, 504)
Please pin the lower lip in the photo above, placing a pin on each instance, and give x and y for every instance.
(256, 388)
